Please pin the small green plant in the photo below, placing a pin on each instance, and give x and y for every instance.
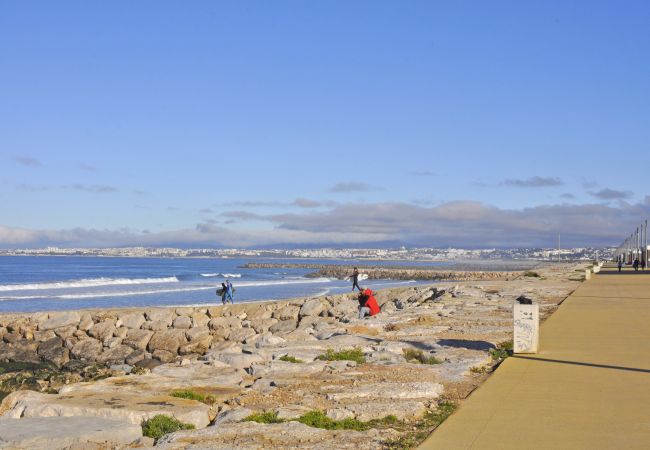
(318, 419)
(291, 359)
(355, 354)
(502, 350)
(264, 417)
(191, 395)
(160, 425)
(413, 355)
(479, 369)
(422, 428)
(137, 370)
(532, 274)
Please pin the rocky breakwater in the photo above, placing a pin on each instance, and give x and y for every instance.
(392, 272)
(303, 373)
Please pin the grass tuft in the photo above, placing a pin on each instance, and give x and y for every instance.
(532, 274)
(264, 417)
(422, 428)
(318, 419)
(160, 425)
(191, 395)
(291, 359)
(355, 354)
(502, 350)
(413, 355)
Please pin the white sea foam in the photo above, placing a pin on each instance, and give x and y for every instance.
(231, 275)
(209, 275)
(87, 282)
(165, 291)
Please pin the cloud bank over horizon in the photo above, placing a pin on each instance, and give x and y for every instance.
(459, 223)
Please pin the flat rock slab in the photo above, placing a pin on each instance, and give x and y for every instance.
(252, 435)
(127, 406)
(48, 433)
(425, 390)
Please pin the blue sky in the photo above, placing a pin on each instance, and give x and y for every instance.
(343, 123)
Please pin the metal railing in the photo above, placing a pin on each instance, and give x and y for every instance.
(634, 247)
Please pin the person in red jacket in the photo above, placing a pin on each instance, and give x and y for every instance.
(367, 304)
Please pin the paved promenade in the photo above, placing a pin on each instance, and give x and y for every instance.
(587, 388)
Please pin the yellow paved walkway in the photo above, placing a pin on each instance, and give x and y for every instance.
(588, 388)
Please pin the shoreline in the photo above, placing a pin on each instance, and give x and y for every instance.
(426, 351)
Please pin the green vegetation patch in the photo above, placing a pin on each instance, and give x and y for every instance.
(355, 354)
(290, 359)
(413, 355)
(191, 395)
(418, 432)
(264, 417)
(318, 419)
(532, 274)
(160, 425)
(502, 350)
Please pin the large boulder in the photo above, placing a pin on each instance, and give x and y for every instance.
(312, 307)
(53, 351)
(183, 322)
(198, 345)
(197, 333)
(284, 326)
(58, 320)
(168, 340)
(44, 433)
(163, 315)
(102, 330)
(115, 355)
(289, 312)
(132, 320)
(87, 349)
(137, 339)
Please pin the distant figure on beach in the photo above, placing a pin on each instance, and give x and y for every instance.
(229, 291)
(642, 263)
(367, 303)
(620, 264)
(635, 264)
(355, 279)
(223, 291)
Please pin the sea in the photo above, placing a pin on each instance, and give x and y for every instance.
(51, 283)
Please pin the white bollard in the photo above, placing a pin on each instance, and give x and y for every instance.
(526, 333)
(587, 274)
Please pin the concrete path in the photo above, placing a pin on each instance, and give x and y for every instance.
(588, 388)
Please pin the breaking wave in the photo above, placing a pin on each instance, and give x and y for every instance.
(89, 282)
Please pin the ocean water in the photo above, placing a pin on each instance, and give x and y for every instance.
(32, 283)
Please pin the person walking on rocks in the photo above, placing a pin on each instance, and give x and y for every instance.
(367, 303)
(355, 279)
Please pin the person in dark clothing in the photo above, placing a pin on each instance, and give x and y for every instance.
(355, 279)
(643, 264)
(224, 290)
(635, 264)
(620, 264)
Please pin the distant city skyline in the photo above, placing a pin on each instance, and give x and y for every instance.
(293, 124)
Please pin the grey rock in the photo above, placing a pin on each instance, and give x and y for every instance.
(53, 350)
(196, 333)
(45, 433)
(115, 355)
(42, 336)
(312, 307)
(135, 356)
(132, 320)
(232, 416)
(289, 312)
(241, 334)
(102, 330)
(284, 326)
(164, 356)
(137, 339)
(58, 320)
(87, 349)
(164, 315)
(85, 322)
(183, 322)
(339, 414)
(168, 340)
(239, 360)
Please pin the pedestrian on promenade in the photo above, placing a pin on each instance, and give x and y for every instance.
(620, 264)
(643, 264)
(355, 279)
(635, 264)
(229, 291)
